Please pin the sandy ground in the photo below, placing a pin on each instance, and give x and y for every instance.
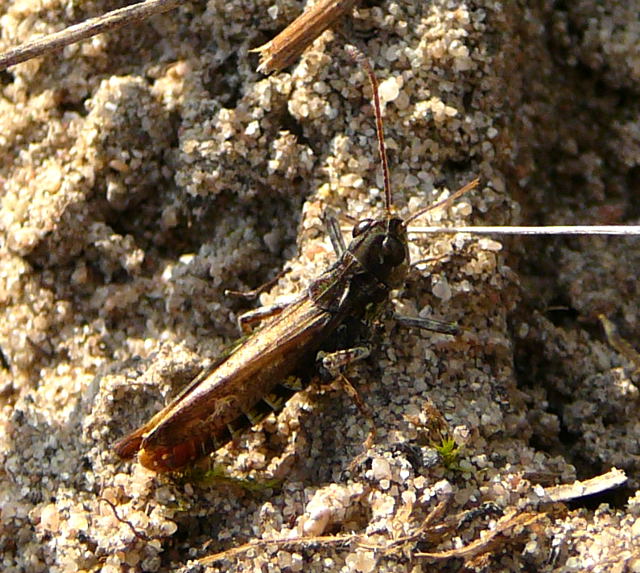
(146, 171)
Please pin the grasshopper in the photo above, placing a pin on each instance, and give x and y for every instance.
(307, 338)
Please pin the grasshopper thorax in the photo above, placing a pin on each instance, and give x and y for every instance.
(380, 246)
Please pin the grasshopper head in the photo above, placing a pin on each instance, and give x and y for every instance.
(380, 246)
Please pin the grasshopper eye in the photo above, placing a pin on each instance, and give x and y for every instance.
(361, 227)
(393, 251)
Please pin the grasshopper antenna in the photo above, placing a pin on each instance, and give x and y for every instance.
(361, 59)
(445, 202)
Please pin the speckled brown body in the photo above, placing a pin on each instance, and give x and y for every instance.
(251, 381)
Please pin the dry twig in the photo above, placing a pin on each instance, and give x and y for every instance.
(84, 30)
(281, 52)
(511, 524)
(566, 492)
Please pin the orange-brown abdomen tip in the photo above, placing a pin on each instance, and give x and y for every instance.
(173, 459)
